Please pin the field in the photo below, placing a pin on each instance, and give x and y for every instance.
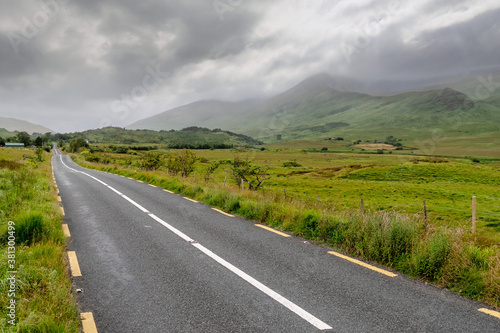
(43, 298)
(385, 182)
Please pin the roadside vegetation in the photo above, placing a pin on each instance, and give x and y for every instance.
(317, 195)
(43, 298)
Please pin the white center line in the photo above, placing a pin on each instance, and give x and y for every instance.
(266, 290)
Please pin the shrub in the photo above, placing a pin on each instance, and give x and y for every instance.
(291, 164)
(30, 229)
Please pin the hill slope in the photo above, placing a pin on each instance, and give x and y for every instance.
(191, 137)
(314, 110)
(206, 113)
(12, 124)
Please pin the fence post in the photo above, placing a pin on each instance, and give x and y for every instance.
(474, 214)
(319, 199)
(362, 206)
(225, 178)
(425, 210)
(284, 190)
(242, 184)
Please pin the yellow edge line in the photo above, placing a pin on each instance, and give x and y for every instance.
(88, 324)
(190, 199)
(168, 191)
(73, 264)
(66, 230)
(376, 269)
(152, 185)
(490, 312)
(273, 230)
(59, 199)
(220, 211)
(62, 211)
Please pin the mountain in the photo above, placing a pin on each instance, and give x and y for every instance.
(12, 124)
(206, 113)
(320, 107)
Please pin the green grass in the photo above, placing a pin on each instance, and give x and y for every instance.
(44, 300)
(392, 231)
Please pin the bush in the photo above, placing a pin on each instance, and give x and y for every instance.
(30, 229)
(291, 164)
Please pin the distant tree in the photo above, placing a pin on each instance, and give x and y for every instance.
(242, 169)
(151, 161)
(24, 137)
(2, 142)
(211, 169)
(187, 160)
(76, 144)
(38, 141)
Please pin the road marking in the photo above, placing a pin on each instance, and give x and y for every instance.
(382, 271)
(66, 230)
(59, 199)
(190, 199)
(88, 323)
(490, 312)
(73, 264)
(152, 185)
(220, 211)
(266, 290)
(62, 211)
(272, 230)
(168, 191)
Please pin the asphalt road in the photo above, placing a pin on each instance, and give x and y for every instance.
(153, 261)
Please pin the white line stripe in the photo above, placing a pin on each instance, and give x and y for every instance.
(135, 204)
(266, 290)
(171, 228)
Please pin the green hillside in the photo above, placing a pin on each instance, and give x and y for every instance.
(191, 137)
(442, 118)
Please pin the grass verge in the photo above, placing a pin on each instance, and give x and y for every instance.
(41, 288)
(448, 257)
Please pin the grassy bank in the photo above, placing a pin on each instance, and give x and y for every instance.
(447, 255)
(42, 295)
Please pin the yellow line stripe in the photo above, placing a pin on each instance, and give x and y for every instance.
(62, 211)
(272, 230)
(66, 230)
(382, 271)
(73, 264)
(59, 199)
(490, 312)
(220, 211)
(168, 191)
(190, 199)
(152, 185)
(88, 324)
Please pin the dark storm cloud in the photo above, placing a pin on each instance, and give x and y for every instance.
(71, 64)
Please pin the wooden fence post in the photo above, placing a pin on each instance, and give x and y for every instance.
(225, 178)
(242, 184)
(425, 210)
(284, 190)
(473, 214)
(362, 206)
(319, 199)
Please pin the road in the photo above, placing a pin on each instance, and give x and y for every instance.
(153, 261)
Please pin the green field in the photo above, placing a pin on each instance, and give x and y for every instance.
(385, 183)
(44, 301)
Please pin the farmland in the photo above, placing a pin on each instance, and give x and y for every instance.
(386, 182)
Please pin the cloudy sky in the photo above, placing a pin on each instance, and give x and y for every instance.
(73, 65)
